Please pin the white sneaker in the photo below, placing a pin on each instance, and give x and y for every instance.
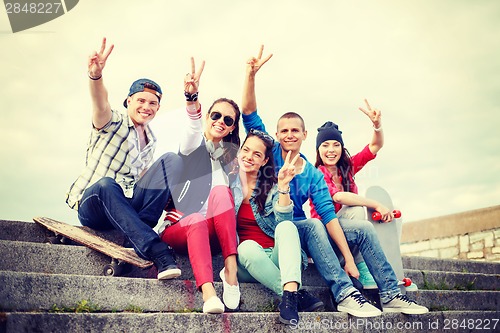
(171, 272)
(401, 303)
(231, 294)
(213, 305)
(356, 305)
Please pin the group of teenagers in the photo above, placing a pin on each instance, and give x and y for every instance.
(243, 199)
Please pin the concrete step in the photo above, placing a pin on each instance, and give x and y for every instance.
(117, 293)
(71, 259)
(114, 294)
(264, 322)
(31, 232)
(80, 260)
(438, 280)
(21, 231)
(451, 265)
(38, 279)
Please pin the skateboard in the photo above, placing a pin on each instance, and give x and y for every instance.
(120, 256)
(389, 234)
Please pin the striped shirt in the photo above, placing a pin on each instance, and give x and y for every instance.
(114, 152)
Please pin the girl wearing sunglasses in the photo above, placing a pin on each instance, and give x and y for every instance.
(201, 211)
(269, 251)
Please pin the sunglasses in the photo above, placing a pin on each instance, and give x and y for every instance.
(262, 135)
(217, 115)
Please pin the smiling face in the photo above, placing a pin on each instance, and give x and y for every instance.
(252, 155)
(142, 107)
(216, 129)
(290, 134)
(330, 152)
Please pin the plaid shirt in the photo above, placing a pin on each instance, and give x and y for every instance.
(114, 151)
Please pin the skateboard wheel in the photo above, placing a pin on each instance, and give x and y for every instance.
(397, 213)
(376, 216)
(407, 282)
(112, 270)
(52, 240)
(55, 239)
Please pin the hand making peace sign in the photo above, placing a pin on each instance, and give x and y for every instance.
(97, 61)
(254, 64)
(374, 114)
(287, 171)
(192, 80)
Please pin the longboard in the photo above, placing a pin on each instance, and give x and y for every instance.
(86, 237)
(389, 234)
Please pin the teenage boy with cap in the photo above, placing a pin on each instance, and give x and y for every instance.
(318, 238)
(120, 188)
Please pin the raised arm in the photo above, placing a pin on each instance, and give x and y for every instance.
(378, 135)
(194, 133)
(101, 110)
(191, 84)
(249, 101)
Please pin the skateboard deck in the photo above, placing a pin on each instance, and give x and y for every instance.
(389, 234)
(86, 237)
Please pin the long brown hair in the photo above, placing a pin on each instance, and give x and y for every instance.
(344, 167)
(266, 177)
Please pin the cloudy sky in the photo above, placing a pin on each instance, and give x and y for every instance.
(432, 67)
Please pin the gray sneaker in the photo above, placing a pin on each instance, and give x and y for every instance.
(401, 303)
(356, 305)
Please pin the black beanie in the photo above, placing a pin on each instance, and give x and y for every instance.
(329, 131)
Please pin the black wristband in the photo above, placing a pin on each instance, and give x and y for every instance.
(191, 97)
(94, 78)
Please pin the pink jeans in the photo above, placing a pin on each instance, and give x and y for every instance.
(198, 235)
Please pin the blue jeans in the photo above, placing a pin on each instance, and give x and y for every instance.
(352, 213)
(273, 267)
(315, 241)
(104, 206)
(325, 254)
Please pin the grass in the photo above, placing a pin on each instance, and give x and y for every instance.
(443, 285)
(269, 306)
(133, 309)
(83, 306)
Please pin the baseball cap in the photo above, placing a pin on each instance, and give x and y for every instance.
(144, 85)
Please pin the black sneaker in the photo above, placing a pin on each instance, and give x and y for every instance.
(288, 308)
(167, 266)
(308, 302)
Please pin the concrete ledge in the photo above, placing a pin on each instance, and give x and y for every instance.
(317, 322)
(453, 280)
(449, 225)
(18, 230)
(450, 265)
(39, 292)
(75, 260)
(80, 260)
